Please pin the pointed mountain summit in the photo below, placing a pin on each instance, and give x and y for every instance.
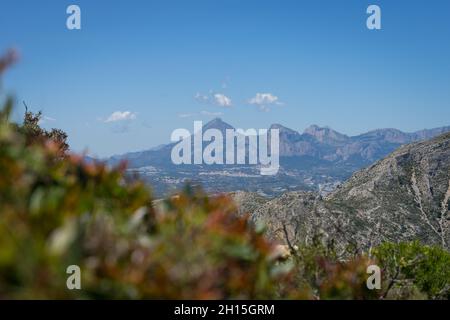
(286, 135)
(219, 124)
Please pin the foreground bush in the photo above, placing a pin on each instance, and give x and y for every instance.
(56, 213)
(326, 274)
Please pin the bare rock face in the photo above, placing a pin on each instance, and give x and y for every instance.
(403, 197)
(291, 213)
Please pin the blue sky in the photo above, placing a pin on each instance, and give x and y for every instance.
(160, 65)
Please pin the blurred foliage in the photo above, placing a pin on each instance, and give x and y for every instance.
(58, 210)
(57, 213)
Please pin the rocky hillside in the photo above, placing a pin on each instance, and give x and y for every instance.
(404, 196)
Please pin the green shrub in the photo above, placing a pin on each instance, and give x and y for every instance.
(415, 270)
(325, 274)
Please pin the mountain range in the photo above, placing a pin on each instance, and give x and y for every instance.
(320, 158)
(403, 197)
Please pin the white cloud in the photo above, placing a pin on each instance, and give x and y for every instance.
(201, 98)
(185, 115)
(211, 114)
(45, 119)
(201, 113)
(222, 100)
(49, 118)
(218, 99)
(121, 116)
(264, 100)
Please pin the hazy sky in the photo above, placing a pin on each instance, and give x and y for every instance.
(139, 69)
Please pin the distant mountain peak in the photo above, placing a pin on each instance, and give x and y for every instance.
(389, 134)
(325, 134)
(217, 123)
(283, 129)
(313, 127)
(216, 119)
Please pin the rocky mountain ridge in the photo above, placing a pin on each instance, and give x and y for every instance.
(317, 159)
(403, 197)
(324, 142)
